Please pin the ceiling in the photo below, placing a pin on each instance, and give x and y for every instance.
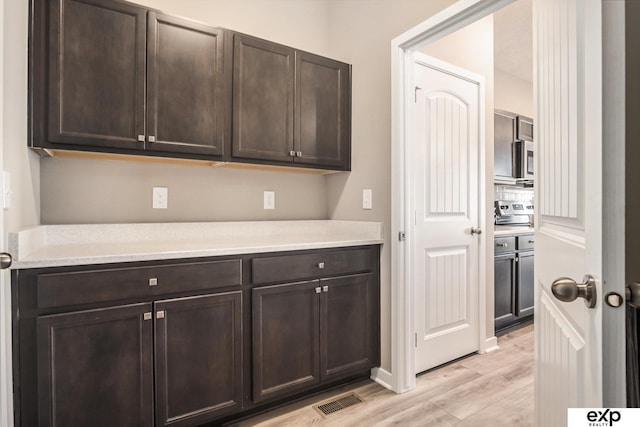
(513, 40)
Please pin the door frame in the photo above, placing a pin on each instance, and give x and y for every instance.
(455, 17)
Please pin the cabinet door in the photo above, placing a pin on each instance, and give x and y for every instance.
(97, 73)
(286, 338)
(504, 290)
(349, 325)
(198, 358)
(186, 83)
(525, 284)
(525, 128)
(263, 85)
(322, 112)
(95, 367)
(504, 134)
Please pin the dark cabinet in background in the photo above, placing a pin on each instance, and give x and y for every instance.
(289, 106)
(504, 135)
(513, 280)
(124, 77)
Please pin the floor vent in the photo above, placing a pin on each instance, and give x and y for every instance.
(337, 404)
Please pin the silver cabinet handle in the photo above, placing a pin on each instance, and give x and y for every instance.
(476, 230)
(160, 314)
(147, 316)
(325, 289)
(318, 290)
(153, 281)
(152, 138)
(140, 138)
(531, 241)
(502, 245)
(321, 265)
(299, 153)
(292, 153)
(567, 290)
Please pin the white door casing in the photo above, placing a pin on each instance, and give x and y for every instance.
(446, 144)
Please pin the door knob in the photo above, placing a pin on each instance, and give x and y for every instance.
(476, 230)
(632, 295)
(5, 260)
(567, 290)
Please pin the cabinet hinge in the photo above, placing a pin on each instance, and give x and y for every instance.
(416, 336)
(401, 236)
(415, 93)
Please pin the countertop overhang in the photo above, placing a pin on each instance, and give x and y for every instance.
(509, 230)
(84, 244)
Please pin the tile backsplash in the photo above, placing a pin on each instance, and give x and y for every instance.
(510, 192)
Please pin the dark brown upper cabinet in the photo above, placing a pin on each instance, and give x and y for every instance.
(124, 77)
(290, 106)
(185, 98)
(96, 73)
(263, 90)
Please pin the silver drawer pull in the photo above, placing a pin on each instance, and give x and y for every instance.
(140, 138)
(318, 290)
(501, 245)
(321, 265)
(152, 138)
(292, 153)
(153, 281)
(160, 314)
(325, 289)
(531, 241)
(147, 316)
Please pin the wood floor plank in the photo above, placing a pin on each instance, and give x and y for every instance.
(490, 389)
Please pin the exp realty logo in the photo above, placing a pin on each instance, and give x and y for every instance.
(606, 417)
(603, 417)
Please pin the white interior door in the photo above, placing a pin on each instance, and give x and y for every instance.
(569, 219)
(446, 186)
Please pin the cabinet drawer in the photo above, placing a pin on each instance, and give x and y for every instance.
(95, 286)
(525, 242)
(504, 244)
(295, 267)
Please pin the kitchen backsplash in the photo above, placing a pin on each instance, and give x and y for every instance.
(510, 192)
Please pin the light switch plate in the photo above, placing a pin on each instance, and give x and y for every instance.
(269, 199)
(367, 199)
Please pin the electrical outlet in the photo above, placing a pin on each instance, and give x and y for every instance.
(269, 199)
(367, 199)
(160, 197)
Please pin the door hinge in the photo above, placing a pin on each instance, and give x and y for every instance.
(401, 236)
(416, 336)
(415, 93)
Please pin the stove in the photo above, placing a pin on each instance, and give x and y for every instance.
(510, 212)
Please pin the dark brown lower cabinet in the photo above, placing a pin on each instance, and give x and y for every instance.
(308, 332)
(513, 281)
(198, 358)
(190, 342)
(286, 339)
(504, 273)
(95, 367)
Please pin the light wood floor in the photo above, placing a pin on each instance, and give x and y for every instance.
(493, 389)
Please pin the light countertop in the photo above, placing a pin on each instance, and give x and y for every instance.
(509, 230)
(65, 245)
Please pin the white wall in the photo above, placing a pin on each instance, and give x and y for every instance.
(513, 94)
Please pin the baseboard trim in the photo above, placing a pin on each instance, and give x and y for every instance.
(382, 377)
(490, 344)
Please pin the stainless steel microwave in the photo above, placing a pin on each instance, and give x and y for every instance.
(523, 159)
